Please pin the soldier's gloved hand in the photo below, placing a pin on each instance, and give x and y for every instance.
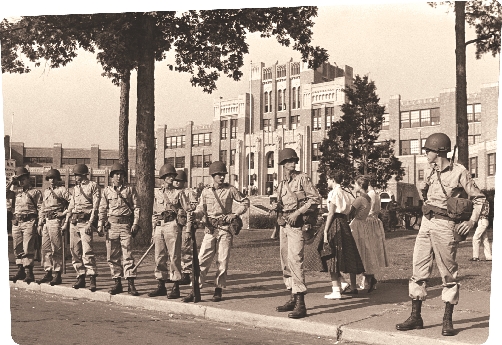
(88, 229)
(134, 230)
(229, 217)
(187, 237)
(291, 218)
(464, 227)
(101, 231)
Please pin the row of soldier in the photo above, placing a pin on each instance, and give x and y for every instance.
(117, 211)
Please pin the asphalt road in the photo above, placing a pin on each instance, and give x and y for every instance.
(40, 319)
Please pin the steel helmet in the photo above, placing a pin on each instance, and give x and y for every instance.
(117, 167)
(80, 169)
(54, 174)
(438, 142)
(182, 176)
(286, 154)
(217, 168)
(167, 169)
(20, 171)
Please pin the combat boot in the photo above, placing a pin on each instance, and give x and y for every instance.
(175, 292)
(47, 278)
(29, 276)
(117, 288)
(21, 274)
(415, 320)
(447, 320)
(160, 291)
(92, 282)
(80, 282)
(185, 279)
(289, 306)
(217, 295)
(57, 279)
(300, 309)
(188, 298)
(131, 289)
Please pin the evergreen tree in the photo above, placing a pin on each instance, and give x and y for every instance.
(352, 146)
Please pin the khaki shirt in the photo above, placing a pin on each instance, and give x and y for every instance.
(52, 198)
(168, 198)
(112, 203)
(27, 201)
(303, 188)
(457, 176)
(80, 203)
(227, 194)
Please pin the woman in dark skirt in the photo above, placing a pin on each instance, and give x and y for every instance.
(339, 251)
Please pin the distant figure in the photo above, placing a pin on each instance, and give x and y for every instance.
(481, 236)
(392, 208)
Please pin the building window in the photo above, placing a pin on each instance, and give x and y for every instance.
(169, 160)
(201, 139)
(233, 128)
(39, 160)
(175, 142)
(410, 147)
(414, 147)
(179, 162)
(474, 112)
(284, 99)
(473, 166)
(421, 175)
(316, 119)
(405, 119)
(207, 139)
(232, 157)
(270, 159)
(474, 133)
(385, 122)
(73, 161)
(425, 117)
(295, 68)
(37, 180)
(415, 118)
(405, 148)
(295, 121)
(330, 116)
(267, 73)
(316, 153)
(281, 122)
(207, 161)
(423, 143)
(293, 92)
(107, 162)
(224, 129)
(100, 180)
(298, 98)
(492, 165)
(435, 117)
(265, 102)
(250, 160)
(279, 100)
(223, 156)
(267, 126)
(281, 71)
(197, 161)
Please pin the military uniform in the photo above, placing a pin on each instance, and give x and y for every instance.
(186, 246)
(83, 208)
(119, 206)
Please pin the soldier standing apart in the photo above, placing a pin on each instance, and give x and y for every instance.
(52, 214)
(186, 246)
(215, 207)
(82, 213)
(27, 203)
(119, 208)
(168, 219)
(296, 195)
(480, 235)
(436, 237)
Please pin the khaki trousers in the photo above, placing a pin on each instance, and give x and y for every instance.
(82, 254)
(119, 251)
(23, 241)
(480, 236)
(167, 239)
(52, 250)
(220, 241)
(292, 251)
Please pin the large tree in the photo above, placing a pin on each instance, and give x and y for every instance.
(486, 18)
(352, 146)
(206, 43)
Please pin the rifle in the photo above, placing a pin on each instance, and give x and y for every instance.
(135, 266)
(195, 267)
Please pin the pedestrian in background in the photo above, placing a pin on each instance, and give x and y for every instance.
(481, 235)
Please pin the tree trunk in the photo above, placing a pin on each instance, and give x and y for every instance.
(145, 139)
(125, 87)
(461, 85)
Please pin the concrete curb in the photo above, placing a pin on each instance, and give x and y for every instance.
(333, 331)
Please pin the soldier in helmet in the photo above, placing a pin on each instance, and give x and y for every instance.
(26, 203)
(186, 246)
(222, 223)
(169, 217)
(82, 216)
(296, 197)
(119, 213)
(52, 214)
(437, 235)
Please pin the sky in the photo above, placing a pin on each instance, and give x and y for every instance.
(406, 48)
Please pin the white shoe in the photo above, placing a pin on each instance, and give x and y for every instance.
(344, 286)
(336, 295)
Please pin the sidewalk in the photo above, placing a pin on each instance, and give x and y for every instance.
(250, 299)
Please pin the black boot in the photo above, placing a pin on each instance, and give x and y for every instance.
(21, 274)
(161, 289)
(29, 276)
(300, 309)
(175, 291)
(447, 320)
(80, 282)
(217, 295)
(57, 279)
(117, 288)
(188, 298)
(415, 320)
(131, 289)
(92, 283)
(185, 279)
(289, 306)
(47, 278)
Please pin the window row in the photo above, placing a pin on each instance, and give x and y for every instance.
(281, 100)
(411, 147)
(178, 162)
(317, 118)
(41, 160)
(201, 139)
(175, 142)
(199, 161)
(224, 129)
(420, 118)
(223, 157)
(107, 162)
(73, 161)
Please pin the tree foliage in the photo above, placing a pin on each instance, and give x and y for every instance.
(352, 146)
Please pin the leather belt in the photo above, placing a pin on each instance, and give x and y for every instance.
(26, 217)
(119, 219)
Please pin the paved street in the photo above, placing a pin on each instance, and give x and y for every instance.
(39, 318)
